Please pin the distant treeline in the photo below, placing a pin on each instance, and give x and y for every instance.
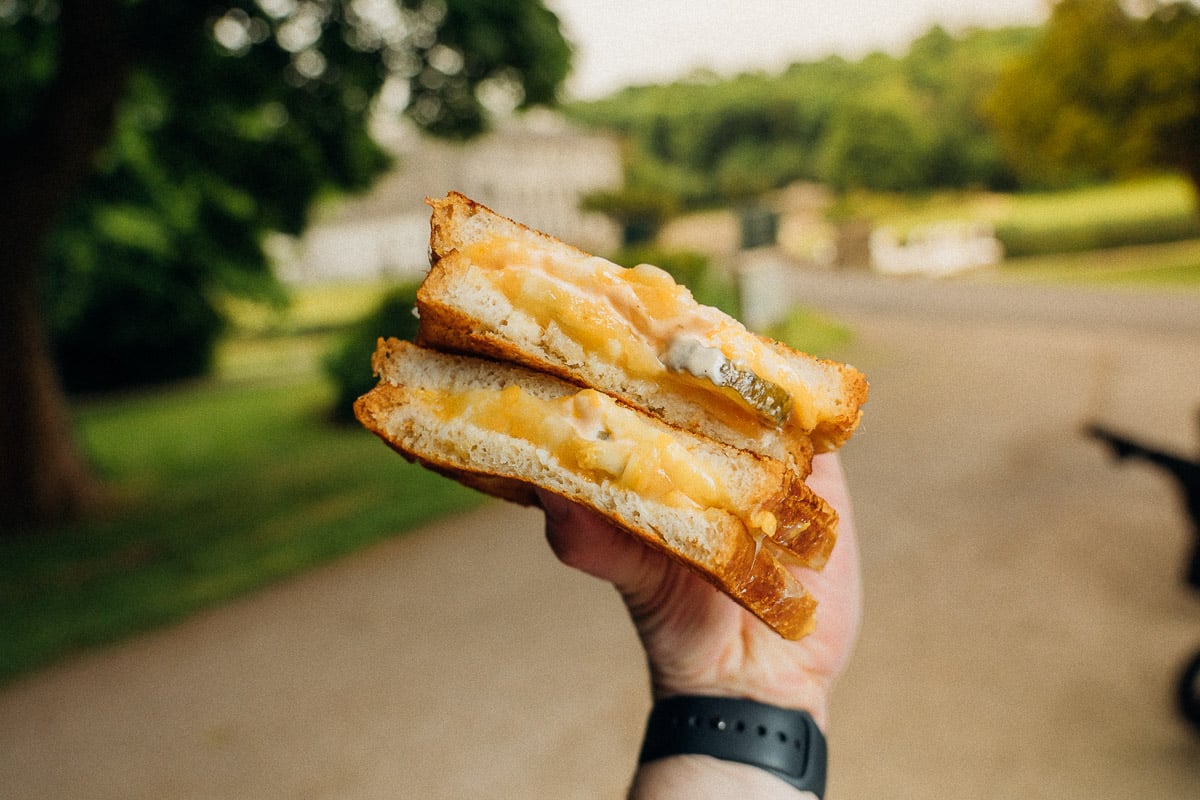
(907, 123)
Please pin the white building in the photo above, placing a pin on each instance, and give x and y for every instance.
(534, 168)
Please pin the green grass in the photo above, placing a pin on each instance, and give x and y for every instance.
(1146, 211)
(317, 307)
(1144, 198)
(219, 488)
(1174, 266)
(811, 332)
(255, 358)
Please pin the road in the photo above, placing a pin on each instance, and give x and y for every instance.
(1024, 610)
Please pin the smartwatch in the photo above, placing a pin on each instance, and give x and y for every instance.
(785, 742)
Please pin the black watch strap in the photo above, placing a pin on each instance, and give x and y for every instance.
(784, 742)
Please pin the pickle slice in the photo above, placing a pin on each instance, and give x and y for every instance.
(767, 398)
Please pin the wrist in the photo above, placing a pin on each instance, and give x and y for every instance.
(703, 778)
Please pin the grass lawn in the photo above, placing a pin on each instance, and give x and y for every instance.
(1173, 266)
(316, 307)
(219, 487)
(811, 332)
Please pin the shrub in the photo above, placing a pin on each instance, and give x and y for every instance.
(137, 325)
(348, 362)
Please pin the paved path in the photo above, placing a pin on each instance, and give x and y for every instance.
(1024, 615)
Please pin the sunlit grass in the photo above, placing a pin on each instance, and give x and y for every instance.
(1147, 211)
(1174, 266)
(310, 307)
(811, 332)
(254, 358)
(1147, 198)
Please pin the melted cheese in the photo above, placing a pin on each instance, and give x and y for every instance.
(630, 317)
(590, 433)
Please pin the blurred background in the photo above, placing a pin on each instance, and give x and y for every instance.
(213, 583)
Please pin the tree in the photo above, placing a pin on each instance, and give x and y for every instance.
(720, 140)
(951, 75)
(1111, 88)
(881, 140)
(147, 147)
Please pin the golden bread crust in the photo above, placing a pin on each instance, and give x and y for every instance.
(454, 217)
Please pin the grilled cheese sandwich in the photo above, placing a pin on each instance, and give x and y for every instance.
(539, 365)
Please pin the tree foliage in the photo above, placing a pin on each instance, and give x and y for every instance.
(881, 122)
(234, 117)
(882, 140)
(147, 148)
(1110, 88)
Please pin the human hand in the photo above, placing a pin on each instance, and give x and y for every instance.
(697, 640)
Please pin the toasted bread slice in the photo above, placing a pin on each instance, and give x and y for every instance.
(500, 289)
(503, 429)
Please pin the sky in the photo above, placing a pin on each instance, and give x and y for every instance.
(622, 42)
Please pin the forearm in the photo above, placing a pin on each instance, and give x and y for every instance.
(707, 778)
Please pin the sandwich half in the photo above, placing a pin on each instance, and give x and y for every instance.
(500, 289)
(733, 516)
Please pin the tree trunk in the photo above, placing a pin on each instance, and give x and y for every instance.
(43, 476)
